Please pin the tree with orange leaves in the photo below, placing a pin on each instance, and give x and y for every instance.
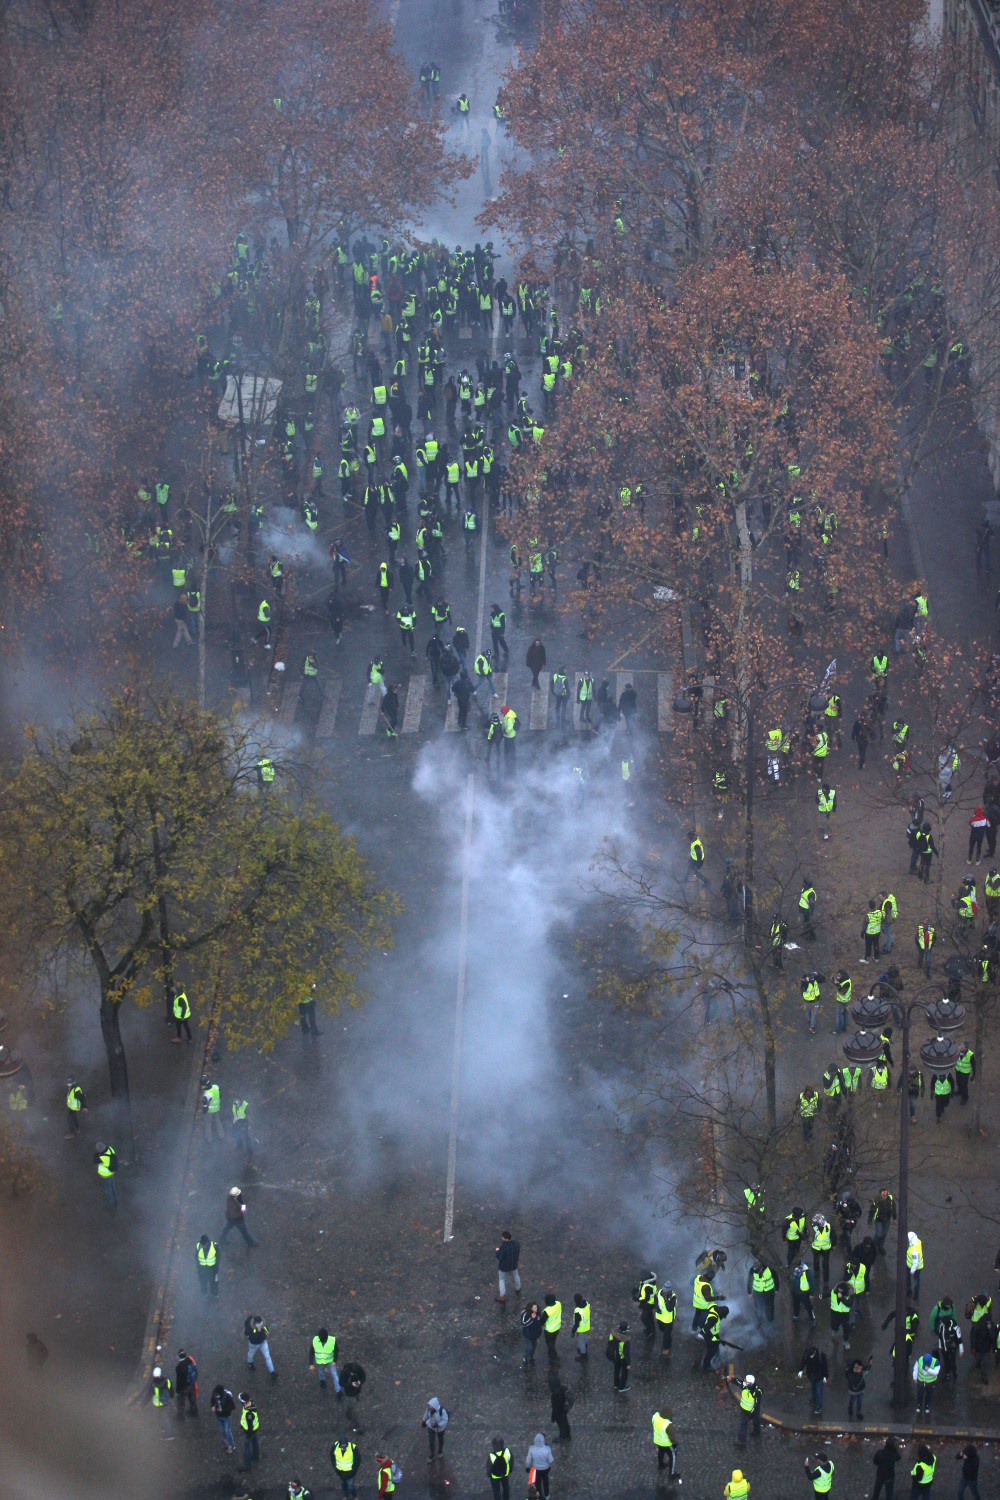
(661, 136)
(325, 128)
(749, 406)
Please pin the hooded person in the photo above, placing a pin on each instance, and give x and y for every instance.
(435, 1419)
(539, 1458)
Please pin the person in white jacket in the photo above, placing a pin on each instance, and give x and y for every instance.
(435, 1419)
(539, 1458)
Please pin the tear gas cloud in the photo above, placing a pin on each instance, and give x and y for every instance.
(538, 1101)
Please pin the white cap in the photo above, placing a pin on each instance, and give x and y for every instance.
(157, 1372)
(234, 1192)
(749, 1380)
(911, 1238)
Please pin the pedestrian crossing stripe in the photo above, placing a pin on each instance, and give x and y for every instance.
(416, 695)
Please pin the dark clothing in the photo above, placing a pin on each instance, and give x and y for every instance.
(559, 1410)
(885, 1461)
(434, 652)
(462, 692)
(508, 1254)
(627, 705)
(535, 659)
(531, 1331)
(186, 1385)
(859, 734)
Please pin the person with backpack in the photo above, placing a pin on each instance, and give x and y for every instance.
(186, 1384)
(435, 1419)
(950, 1347)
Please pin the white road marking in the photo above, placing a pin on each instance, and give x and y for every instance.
(456, 1049)
(369, 714)
(328, 714)
(463, 922)
(664, 703)
(540, 702)
(414, 703)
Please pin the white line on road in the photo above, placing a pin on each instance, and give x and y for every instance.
(463, 922)
(456, 1050)
(414, 703)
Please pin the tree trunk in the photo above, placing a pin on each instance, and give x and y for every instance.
(749, 901)
(770, 1055)
(166, 957)
(980, 1042)
(118, 1077)
(206, 553)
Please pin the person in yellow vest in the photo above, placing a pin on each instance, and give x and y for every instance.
(498, 1469)
(552, 1313)
(925, 1376)
(872, 930)
(106, 1162)
(182, 1016)
(702, 1298)
(389, 1474)
(250, 1423)
(76, 1105)
(620, 1353)
(211, 1105)
(820, 1471)
(206, 1255)
(762, 1283)
(323, 1357)
(581, 1324)
(914, 1264)
(666, 1312)
(750, 1398)
(738, 1488)
(922, 1472)
(663, 1439)
(344, 1455)
(696, 856)
(161, 1390)
(821, 1244)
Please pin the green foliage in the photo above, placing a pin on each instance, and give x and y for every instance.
(138, 840)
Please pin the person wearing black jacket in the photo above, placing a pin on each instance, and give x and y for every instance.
(223, 1406)
(508, 1254)
(255, 1333)
(885, 1461)
(531, 1332)
(534, 660)
(856, 1372)
(352, 1378)
(186, 1384)
(561, 1402)
(969, 1459)
(814, 1368)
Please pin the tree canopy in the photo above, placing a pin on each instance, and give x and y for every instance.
(138, 844)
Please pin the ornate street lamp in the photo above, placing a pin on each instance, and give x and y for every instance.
(938, 1055)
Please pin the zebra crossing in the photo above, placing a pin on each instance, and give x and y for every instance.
(426, 709)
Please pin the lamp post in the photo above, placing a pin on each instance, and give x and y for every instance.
(938, 1055)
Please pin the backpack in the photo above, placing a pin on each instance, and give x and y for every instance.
(442, 1418)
